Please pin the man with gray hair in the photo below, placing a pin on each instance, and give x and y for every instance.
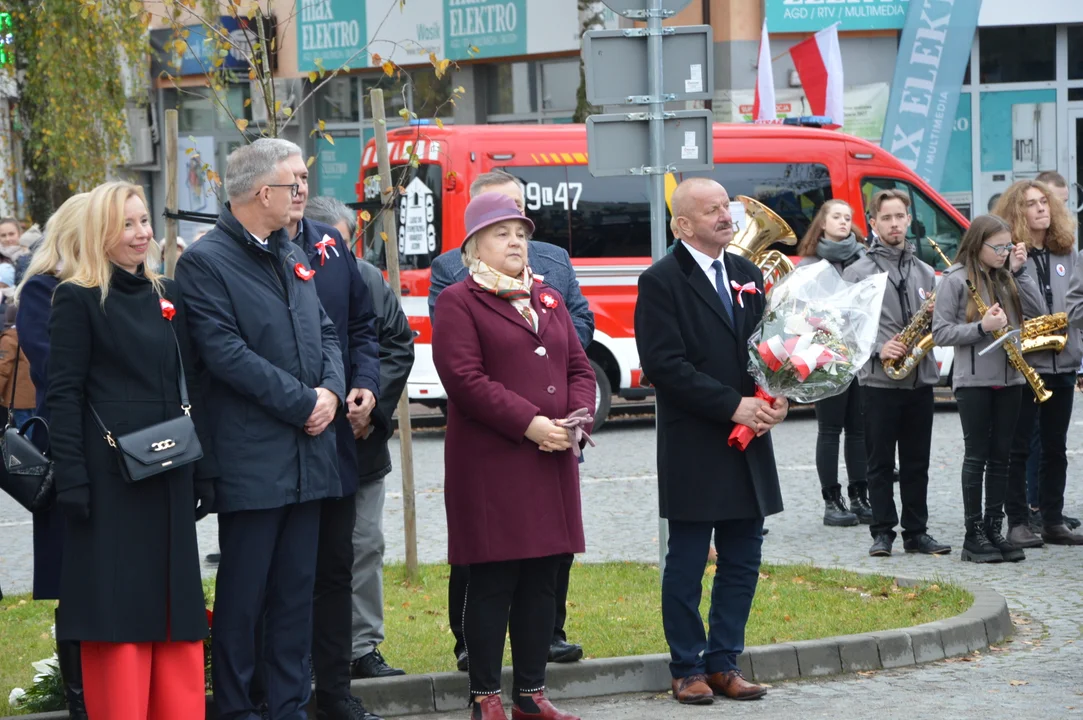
(271, 364)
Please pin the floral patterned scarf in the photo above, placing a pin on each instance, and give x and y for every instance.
(515, 290)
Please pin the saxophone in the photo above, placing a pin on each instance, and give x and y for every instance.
(918, 340)
(1015, 355)
(1041, 333)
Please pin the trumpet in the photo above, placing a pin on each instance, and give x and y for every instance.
(917, 339)
(1015, 355)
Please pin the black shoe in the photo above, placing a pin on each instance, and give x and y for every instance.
(1071, 522)
(562, 651)
(978, 549)
(1061, 535)
(926, 545)
(71, 675)
(348, 708)
(462, 661)
(836, 514)
(765, 531)
(881, 546)
(860, 506)
(1009, 552)
(372, 665)
(214, 558)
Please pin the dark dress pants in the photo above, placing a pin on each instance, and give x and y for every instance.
(332, 600)
(903, 419)
(1033, 461)
(1054, 418)
(989, 418)
(834, 415)
(739, 544)
(514, 598)
(266, 573)
(456, 599)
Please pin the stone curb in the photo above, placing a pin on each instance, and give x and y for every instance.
(987, 622)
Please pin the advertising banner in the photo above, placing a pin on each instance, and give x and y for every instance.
(933, 53)
(333, 31)
(784, 16)
(338, 166)
(195, 191)
(864, 107)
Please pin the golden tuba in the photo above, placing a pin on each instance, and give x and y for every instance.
(763, 228)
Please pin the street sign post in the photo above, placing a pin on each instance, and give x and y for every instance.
(680, 67)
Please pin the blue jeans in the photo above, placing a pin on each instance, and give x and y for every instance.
(21, 416)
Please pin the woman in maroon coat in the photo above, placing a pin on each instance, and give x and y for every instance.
(518, 386)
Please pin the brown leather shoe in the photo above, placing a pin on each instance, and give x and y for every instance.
(692, 690)
(1060, 535)
(734, 686)
(546, 711)
(488, 708)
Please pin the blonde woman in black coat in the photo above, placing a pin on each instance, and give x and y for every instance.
(130, 583)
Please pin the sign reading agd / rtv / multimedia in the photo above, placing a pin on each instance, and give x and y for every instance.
(814, 15)
(334, 31)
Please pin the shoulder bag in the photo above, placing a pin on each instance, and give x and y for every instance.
(29, 472)
(160, 447)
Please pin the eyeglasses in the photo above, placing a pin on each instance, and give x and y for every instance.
(999, 249)
(295, 188)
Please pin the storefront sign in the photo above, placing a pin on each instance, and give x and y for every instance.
(933, 52)
(815, 15)
(196, 58)
(333, 31)
(338, 166)
(864, 107)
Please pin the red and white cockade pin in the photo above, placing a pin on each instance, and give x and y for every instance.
(168, 311)
(548, 300)
(748, 287)
(303, 272)
(322, 245)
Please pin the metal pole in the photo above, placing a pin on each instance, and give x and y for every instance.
(657, 180)
(406, 442)
(169, 252)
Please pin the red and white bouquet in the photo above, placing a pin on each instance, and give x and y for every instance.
(817, 331)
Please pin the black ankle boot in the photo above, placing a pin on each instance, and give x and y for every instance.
(71, 674)
(835, 512)
(977, 548)
(1008, 551)
(859, 503)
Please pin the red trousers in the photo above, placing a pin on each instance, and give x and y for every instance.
(144, 681)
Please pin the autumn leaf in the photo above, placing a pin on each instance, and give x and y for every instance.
(328, 138)
(404, 114)
(311, 161)
(322, 125)
(389, 69)
(383, 236)
(313, 77)
(242, 125)
(365, 216)
(1017, 683)
(439, 123)
(376, 60)
(287, 111)
(247, 102)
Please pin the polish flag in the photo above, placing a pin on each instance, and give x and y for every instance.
(763, 107)
(819, 63)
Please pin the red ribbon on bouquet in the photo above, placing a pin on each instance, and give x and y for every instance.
(742, 435)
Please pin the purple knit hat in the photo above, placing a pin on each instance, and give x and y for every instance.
(490, 208)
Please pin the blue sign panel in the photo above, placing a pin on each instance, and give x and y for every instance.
(198, 56)
(933, 52)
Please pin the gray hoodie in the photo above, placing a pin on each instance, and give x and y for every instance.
(950, 327)
(920, 281)
(1062, 277)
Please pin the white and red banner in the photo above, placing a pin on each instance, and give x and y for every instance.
(763, 107)
(819, 63)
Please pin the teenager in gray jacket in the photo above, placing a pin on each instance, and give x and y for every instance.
(832, 238)
(988, 389)
(898, 413)
(1041, 221)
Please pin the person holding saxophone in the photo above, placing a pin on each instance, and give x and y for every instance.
(1041, 221)
(982, 297)
(898, 382)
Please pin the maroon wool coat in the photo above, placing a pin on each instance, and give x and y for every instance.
(505, 498)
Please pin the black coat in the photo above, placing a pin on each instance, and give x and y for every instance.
(348, 303)
(698, 362)
(32, 320)
(264, 343)
(132, 570)
(396, 361)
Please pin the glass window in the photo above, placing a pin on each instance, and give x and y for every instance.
(512, 89)
(337, 101)
(234, 99)
(1018, 54)
(419, 211)
(560, 82)
(929, 220)
(394, 88)
(196, 111)
(431, 94)
(1075, 52)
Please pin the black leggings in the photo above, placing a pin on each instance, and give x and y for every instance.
(833, 415)
(1054, 419)
(988, 417)
(516, 598)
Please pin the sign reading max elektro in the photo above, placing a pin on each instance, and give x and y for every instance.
(495, 27)
(815, 15)
(332, 31)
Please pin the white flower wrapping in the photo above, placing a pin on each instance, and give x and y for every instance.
(817, 331)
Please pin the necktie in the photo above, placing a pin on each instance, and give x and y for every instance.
(723, 290)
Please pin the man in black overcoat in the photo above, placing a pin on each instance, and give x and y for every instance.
(273, 369)
(695, 312)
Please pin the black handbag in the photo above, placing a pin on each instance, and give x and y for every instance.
(163, 446)
(29, 476)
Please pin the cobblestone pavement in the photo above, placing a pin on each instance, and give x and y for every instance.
(1039, 674)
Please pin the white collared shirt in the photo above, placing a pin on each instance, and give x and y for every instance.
(705, 261)
(261, 241)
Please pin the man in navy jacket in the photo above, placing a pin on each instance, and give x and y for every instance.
(348, 303)
(271, 364)
(552, 263)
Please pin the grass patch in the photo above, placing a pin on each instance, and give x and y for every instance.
(613, 610)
